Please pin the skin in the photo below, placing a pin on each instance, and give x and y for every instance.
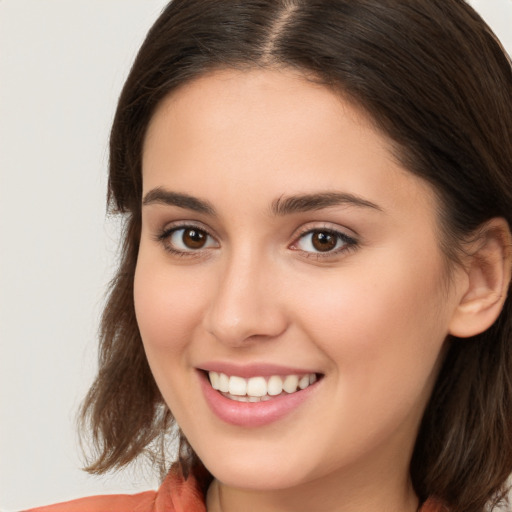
(371, 317)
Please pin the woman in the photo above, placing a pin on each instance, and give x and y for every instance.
(316, 262)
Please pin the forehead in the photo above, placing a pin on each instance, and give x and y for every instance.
(273, 129)
(227, 96)
(223, 98)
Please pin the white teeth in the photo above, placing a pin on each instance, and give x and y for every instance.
(304, 382)
(223, 383)
(214, 380)
(274, 385)
(259, 389)
(256, 386)
(246, 398)
(290, 383)
(237, 386)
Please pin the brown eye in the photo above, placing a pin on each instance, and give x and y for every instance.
(323, 241)
(187, 239)
(194, 238)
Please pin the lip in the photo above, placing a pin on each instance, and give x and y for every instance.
(253, 370)
(253, 414)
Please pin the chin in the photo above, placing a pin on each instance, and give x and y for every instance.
(267, 473)
(253, 478)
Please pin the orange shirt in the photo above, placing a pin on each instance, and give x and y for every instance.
(175, 495)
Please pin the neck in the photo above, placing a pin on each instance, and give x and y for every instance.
(333, 493)
(376, 481)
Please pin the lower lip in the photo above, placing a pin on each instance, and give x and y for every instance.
(253, 414)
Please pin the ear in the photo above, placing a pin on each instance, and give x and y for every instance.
(488, 274)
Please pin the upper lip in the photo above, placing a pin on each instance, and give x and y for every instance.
(252, 370)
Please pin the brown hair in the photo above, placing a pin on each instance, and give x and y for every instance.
(435, 79)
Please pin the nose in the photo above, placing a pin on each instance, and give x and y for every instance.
(245, 305)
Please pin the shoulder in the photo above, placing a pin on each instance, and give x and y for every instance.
(432, 505)
(176, 494)
(143, 502)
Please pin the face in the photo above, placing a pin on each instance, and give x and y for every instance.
(283, 245)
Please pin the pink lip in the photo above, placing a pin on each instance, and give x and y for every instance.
(253, 414)
(252, 370)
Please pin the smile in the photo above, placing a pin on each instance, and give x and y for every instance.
(259, 389)
(265, 394)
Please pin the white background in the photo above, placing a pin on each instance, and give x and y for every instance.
(62, 65)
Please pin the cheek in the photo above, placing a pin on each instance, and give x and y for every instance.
(167, 306)
(382, 323)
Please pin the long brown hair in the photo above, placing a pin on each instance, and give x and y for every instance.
(435, 79)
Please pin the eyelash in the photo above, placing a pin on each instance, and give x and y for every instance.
(165, 236)
(348, 243)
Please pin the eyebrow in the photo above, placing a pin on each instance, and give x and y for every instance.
(284, 205)
(161, 196)
(287, 205)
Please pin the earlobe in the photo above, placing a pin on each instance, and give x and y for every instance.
(488, 273)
